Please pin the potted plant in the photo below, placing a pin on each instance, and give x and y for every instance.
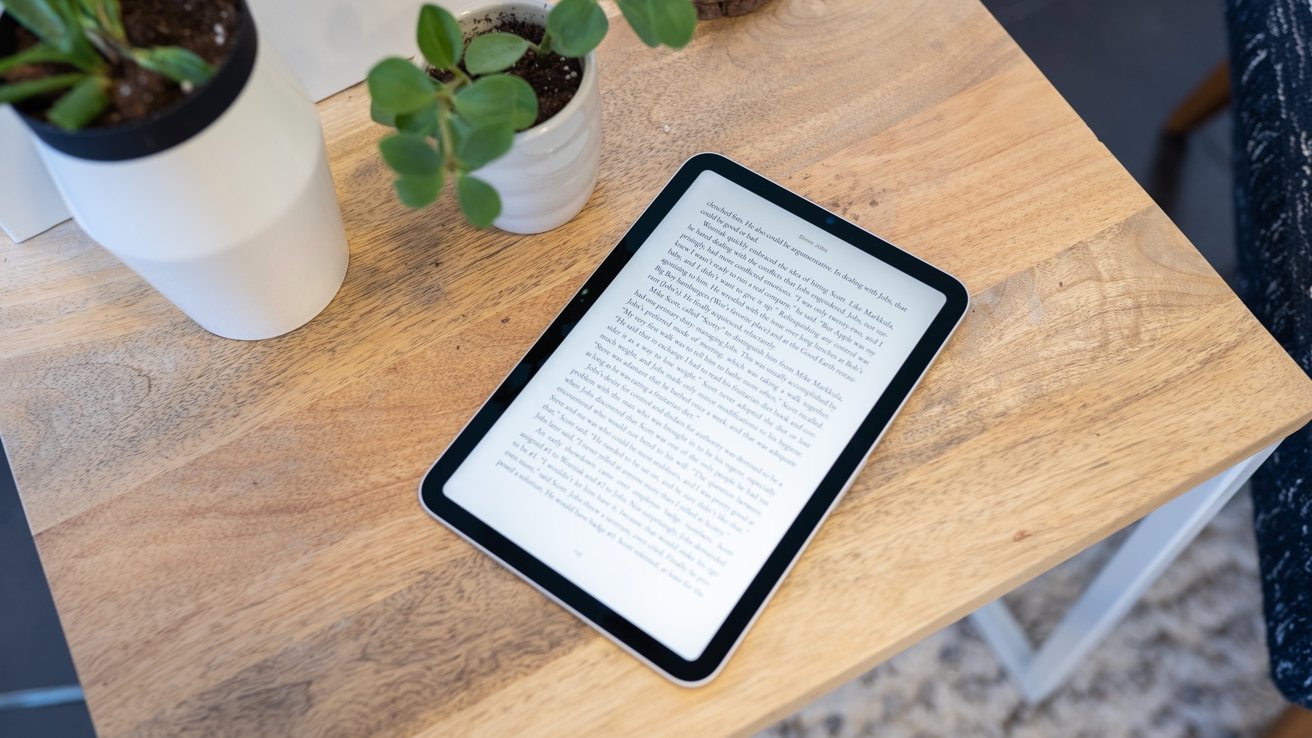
(508, 108)
(184, 147)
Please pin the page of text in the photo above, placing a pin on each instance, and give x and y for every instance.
(660, 454)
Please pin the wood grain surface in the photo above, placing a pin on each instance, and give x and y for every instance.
(231, 529)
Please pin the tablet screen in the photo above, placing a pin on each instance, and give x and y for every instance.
(661, 452)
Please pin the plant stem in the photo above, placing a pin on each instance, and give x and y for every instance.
(448, 88)
(460, 75)
(444, 133)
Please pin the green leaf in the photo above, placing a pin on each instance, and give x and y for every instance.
(34, 55)
(16, 91)
(407, 153)
(484, 144)
(576, 27)
(175, 63)
(439, 37)
(112, 16)
(499, 98)
(460, 129)
(418, 190)
(104, 15)
(478, 201)
(80, 105)
(380, 116)
(661, 22)
(459, 126)
(68, 12)
(494, 52)
(42, 19)
(422, 122)
(397, 86)
(55, 22)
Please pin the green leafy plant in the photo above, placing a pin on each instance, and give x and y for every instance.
(85, 41)
(448, 128)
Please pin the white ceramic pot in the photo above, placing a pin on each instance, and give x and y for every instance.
(237, 223)
(548, 175)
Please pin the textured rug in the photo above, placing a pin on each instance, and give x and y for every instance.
(1188, 662)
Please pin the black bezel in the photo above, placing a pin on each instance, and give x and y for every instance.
(813, 512)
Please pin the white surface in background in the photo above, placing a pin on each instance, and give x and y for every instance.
(329, 45)
(29, 202)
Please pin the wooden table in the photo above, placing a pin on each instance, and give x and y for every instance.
(231, 529)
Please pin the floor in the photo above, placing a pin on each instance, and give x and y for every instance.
(1187, 662)
(1123, 65)
(1120, 63)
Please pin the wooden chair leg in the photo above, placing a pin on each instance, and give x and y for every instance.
(1295, 722)
(1208, 98)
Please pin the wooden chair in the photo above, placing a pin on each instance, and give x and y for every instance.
(1210, 97)
(1296, 722)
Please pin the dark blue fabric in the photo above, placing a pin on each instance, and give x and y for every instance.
(1271, 73)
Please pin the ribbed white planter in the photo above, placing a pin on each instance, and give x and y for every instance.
(551, 171)
(238, 223)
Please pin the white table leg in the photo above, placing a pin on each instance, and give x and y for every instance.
(1150, 548)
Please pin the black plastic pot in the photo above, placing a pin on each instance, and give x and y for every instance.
(165, 128)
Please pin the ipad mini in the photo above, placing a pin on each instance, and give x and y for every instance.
(665, 450)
